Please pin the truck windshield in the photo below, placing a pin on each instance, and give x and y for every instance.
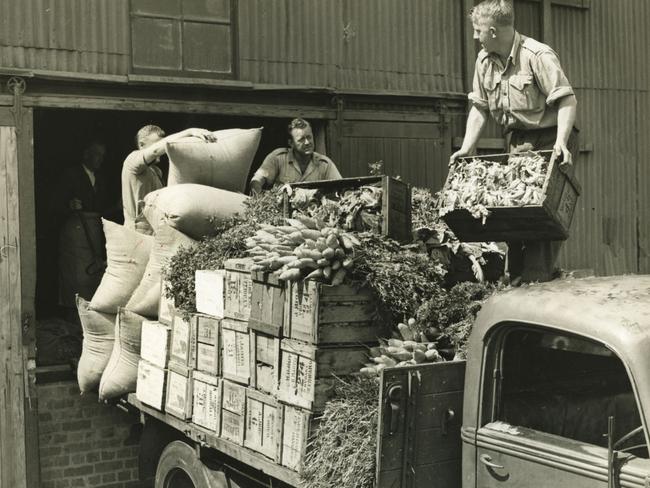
(564, 385)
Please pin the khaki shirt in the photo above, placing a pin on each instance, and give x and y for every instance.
(138, 180)
(523, 93)
(280, 167)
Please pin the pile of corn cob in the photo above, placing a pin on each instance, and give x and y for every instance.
(402, 352)
(303, 249)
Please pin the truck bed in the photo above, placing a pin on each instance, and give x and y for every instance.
(209, 439)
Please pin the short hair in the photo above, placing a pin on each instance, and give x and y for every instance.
(501, 12)
(297, 123)
(148, 130)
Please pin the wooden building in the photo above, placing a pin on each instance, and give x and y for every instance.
(379, 79)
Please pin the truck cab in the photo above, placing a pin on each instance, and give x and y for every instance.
(555, 393)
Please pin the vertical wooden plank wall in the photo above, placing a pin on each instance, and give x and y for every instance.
(12, 394)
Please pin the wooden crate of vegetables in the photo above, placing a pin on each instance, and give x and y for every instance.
(380, 204)
(505, 197)
(298, 426)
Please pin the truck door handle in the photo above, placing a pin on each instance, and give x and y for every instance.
(393, 398)
(487, 460)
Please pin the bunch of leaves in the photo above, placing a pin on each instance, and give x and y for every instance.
(400, 278)
(211, 252)
(342, 453)
(451, 313)
(424, 212)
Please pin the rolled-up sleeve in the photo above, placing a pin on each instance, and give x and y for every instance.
(135, 163)
(550, 77)
(478, 96)
(268, 170)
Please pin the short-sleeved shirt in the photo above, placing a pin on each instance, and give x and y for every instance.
(523, 93)
(281, 167)
(138, 180)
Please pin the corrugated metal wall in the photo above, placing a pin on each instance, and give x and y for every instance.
(85, 36)
(412, 47)
(604, 52)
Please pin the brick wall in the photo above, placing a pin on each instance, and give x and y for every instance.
(83, 443)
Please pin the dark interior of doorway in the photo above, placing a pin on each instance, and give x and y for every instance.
(60, 136)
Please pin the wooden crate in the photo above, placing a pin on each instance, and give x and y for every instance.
(207, 329)
(239, 287)
(305, 377)
(235, 351)
(233, 411)
(395, 202)
(150, 388)
(549, 221)
(210, 291)
(267, 303)
(179, 391)
(155, 343)
(325, 314)
(208, 344)
(298, 426)
(263, 431)
(206, 392)
(183, 341)
(166, 308)
(265, 362)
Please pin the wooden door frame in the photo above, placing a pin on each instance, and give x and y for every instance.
(15, 115)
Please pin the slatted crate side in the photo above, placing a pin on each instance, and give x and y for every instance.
(298, 426)
(233, 412)
(166, 308)
(151, 384)
(265, 362)
(267, 303)
(206, 401)
(208, 358)
(239, 287)
(210, 291)
(154, 342)
(183, 341)
(179, 391)
(235, 355)
(207, 329)
(305, 377)
(395, 205)
(325, 314)
(263, 424)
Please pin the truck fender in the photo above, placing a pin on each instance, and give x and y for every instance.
(179, 461)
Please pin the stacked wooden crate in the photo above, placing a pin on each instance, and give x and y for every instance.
(152, 367)
(254, 366)
(327, 331)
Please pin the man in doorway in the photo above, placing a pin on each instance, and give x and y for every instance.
(520, 83)
(82, 187)
(298, 162)
(141, 174)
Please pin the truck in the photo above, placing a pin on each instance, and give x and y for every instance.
(555, 393)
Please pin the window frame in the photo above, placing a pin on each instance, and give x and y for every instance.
(492, 376)
(233, 74)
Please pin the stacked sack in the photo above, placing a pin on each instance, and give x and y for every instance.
(130, 290)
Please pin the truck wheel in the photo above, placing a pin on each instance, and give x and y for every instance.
(179, 467)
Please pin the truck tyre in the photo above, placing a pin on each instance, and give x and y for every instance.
(180, 467)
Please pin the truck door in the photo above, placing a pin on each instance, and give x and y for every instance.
(419, 426)
(546, 400)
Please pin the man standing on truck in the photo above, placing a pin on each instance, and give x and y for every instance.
(141, 174)
(520, 83)
(298, 162)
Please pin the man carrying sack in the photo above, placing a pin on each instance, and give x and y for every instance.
(520, 82)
